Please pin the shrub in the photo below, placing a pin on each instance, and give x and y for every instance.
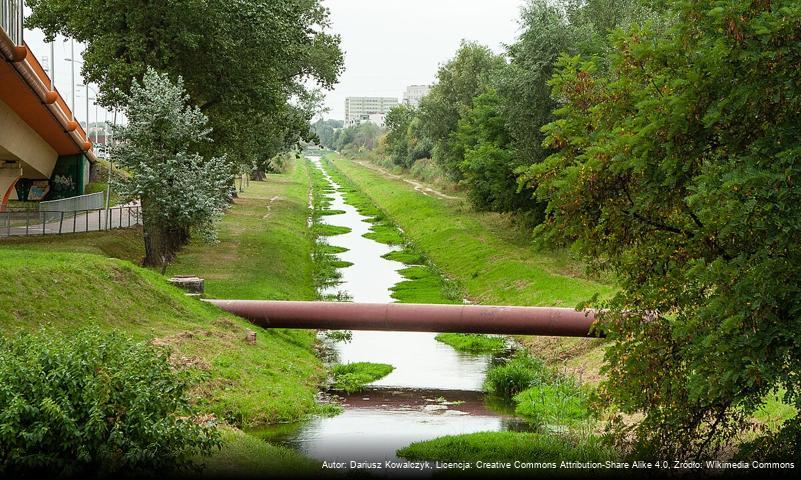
(519, 373)
(94, 403)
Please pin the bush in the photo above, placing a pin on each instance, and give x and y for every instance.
(519, 373)
(94, 403)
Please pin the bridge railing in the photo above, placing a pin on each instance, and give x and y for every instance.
(28, 223)
(11, 16)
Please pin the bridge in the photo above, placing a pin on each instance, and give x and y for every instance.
(43, 149)
(407, 317)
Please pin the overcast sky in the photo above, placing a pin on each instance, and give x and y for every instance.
(388, 44)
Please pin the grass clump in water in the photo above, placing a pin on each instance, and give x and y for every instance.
(516, 375)
(352, 377)
(406, 256)
(473, 342)
(561, 402)
(386, 233)
(509, 446)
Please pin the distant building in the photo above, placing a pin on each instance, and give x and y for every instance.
(415, 93)
(359, 109)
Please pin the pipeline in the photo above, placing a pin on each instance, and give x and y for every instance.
(408, 317)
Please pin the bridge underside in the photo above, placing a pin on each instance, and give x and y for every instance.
(42, 148)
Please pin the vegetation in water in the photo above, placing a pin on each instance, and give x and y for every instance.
(95, 403)
(473, 342)
(352, 377)
(512, 376)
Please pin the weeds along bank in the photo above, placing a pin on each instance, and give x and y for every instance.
(264, 252)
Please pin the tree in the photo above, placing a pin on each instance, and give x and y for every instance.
(180, 190)
(325, 130)
(248, 64)
(459, 80)
(489, 165)
(679, 169)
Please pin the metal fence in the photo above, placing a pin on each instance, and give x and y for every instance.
(24, 223)
(52, 209)
(11, 15)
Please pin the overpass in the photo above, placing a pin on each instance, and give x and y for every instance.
(44, 151)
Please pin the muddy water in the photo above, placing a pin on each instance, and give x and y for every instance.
(433, 391)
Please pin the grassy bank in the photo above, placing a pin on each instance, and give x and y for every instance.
(491, 261)
(264, 252)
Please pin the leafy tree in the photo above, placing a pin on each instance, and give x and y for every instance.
(250, 65)
(94, 404)
(325, 130)
(364, 136)
(459, 80)
(180, 190)
(488, 168)
(680, 170)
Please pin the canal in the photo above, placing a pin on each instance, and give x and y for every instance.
(433, 391)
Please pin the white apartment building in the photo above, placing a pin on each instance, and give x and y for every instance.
(359, 109)
(415, 93)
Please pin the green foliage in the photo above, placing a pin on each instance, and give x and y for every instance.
(271, 55)
(179, 189)
(489, 167)
(515, 375)
(459, 80)
(352, 377)
(473, 342)
(326, 132)
(678, 169)
(94, 403)
(405, 142)
(364, 136)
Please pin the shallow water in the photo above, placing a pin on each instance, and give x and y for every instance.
(433, 391)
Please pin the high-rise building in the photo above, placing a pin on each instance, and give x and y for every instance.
(415, 93)
(359, 109)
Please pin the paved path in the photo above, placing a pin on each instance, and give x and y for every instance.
(121, 216)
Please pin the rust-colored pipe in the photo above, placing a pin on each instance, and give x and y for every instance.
(409, 317)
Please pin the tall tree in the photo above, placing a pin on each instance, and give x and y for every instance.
(459, 80)
(680, 170)
(246, 63)
(181, 192)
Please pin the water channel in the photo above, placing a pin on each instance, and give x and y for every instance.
(433, 391)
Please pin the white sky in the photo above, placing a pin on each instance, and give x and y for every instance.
(388, 45)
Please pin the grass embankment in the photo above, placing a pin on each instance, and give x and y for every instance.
(264, 252)
(491, 261)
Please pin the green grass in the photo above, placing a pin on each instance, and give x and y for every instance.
(353, 377)
(264, 249)
(264, 252)
(473, 342)
(509, 446)
(124, 244)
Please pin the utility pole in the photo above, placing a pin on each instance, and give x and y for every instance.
(72, 74)
(110, 170)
